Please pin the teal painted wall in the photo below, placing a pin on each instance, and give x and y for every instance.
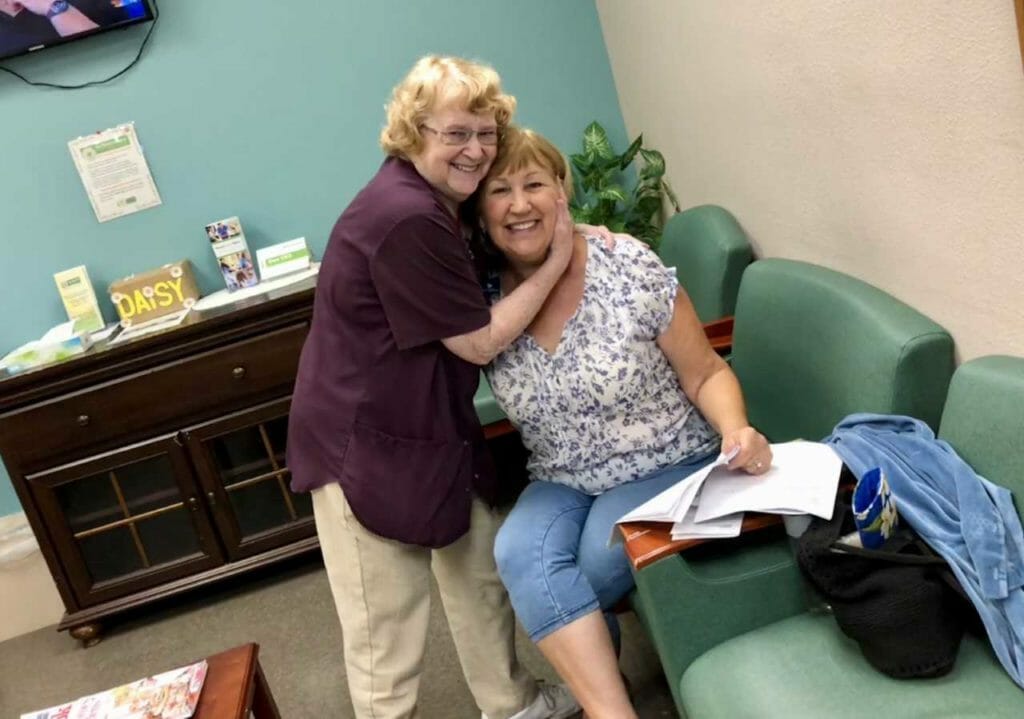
(258, 110)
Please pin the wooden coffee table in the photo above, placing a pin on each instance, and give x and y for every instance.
(235, 685)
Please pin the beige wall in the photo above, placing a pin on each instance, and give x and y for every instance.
(881, 138)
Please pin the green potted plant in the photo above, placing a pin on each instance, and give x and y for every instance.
(601, 196)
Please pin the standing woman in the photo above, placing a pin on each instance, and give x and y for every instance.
(383, 429)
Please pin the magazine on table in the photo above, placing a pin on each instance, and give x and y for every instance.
(169, 695)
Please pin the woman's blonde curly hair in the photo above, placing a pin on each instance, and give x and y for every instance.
(435, 81)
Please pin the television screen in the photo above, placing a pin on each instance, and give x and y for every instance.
(29, 25)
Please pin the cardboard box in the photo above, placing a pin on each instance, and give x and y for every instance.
(155, 293)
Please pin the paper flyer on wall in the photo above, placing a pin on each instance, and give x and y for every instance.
(170, 695)
(114, 172)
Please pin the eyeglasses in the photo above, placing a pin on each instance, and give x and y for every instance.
(461, 136)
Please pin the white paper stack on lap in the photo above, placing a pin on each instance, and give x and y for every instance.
(673, 504)
(718, 528)
(803, 479)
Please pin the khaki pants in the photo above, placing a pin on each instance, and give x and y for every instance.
(381, 590)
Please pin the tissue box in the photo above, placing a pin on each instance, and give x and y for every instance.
(59, 343)
(155, 293)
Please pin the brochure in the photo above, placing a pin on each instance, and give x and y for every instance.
(79, 299)
(170, 695)
(232, 253)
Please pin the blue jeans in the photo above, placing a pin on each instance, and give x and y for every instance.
(553, 553)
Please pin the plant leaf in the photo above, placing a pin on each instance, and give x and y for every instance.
(605, 195)
(647, 186)
(646, 207)
(595, 141)
(671, 195)
(614, 193)
(630, 153)
(654, 162)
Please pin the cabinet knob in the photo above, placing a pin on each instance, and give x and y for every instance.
(211, 499)
(83, 420)
(193, 503)
(238, 372)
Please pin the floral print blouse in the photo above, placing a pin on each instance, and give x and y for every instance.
(605, 407)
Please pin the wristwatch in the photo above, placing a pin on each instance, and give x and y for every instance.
(57, 7)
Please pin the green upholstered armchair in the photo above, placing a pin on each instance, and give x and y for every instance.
(709, 251)
(486, 406)
(804, 666)
(811, 345)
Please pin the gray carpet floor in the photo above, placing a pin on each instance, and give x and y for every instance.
(289, 612)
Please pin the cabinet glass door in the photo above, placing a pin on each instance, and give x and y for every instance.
(241, 460)
(126, 520)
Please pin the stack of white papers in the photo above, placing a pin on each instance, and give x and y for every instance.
(718, 528)
(803, 479)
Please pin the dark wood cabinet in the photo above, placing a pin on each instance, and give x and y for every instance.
(126, 520)
(241, 469)
(153, 467)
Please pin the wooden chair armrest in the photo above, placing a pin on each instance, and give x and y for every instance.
(498, 429)
(719, 334)
(647, 542)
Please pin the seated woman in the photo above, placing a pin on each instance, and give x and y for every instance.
(617, 394)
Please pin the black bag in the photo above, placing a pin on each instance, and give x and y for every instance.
(900, 603)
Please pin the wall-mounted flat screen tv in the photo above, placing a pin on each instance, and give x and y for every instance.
(30, 25)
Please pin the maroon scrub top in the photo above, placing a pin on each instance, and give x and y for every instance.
(380, 405)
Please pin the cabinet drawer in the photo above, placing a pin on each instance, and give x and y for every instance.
(184, 390)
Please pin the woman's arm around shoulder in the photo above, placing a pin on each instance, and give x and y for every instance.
(512, 314)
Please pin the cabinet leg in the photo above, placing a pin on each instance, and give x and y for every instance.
(88, 634)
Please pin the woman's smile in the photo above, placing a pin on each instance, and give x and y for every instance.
(523, 226)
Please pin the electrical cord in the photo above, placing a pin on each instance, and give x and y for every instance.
(91, 83)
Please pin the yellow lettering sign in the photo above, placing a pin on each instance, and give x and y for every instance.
(176, 286)
(125, 308)
(141, 303)
(162, 294)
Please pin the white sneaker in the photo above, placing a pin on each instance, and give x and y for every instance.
(554, 701)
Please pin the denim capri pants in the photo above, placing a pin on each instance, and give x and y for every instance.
(553, 550)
